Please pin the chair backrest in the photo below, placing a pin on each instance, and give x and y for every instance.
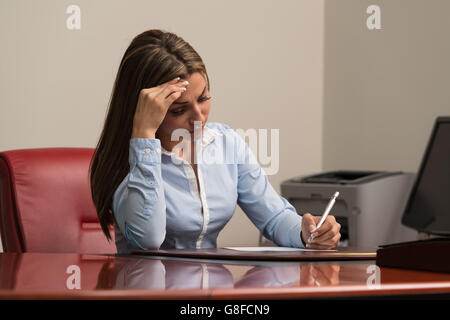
(46, 204)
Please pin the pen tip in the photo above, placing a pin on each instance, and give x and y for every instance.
(336, 194)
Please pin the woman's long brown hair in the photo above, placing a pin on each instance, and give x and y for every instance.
(153, 57)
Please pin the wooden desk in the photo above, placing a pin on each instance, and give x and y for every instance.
(80, 276)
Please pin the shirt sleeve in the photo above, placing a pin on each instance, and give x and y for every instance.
(139, 203)
(272, 214)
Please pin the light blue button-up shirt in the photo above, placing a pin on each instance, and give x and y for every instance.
(160, 205)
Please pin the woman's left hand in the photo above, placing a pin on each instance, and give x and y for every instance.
(326, 237)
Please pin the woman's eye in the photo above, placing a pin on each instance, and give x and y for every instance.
(204, 98)
(177, 112)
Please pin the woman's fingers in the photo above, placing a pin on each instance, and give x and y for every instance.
(158, 89)
(327, 244)
(326, 237)
(328, 230)
(165, 84)
(308, 224)
(174, 96)
(171, 89)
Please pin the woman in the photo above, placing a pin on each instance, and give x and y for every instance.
(154, 193)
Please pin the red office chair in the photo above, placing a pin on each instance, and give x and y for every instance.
(46, 204)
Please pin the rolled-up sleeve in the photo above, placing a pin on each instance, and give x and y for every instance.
(139, 203)
(272, 214)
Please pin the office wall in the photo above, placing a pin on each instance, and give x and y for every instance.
(264, 58)
(383, 88)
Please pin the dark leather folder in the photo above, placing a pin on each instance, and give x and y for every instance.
(229, 254)
(429, 255)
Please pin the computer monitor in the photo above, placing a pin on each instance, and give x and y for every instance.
(428, 206)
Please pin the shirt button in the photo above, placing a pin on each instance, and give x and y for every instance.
(158, 150)
(151, 183)
(147, 150)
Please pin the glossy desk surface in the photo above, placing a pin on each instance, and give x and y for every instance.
(74, 276)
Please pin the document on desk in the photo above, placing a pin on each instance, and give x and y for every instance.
(279, 249)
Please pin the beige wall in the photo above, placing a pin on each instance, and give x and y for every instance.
(384, 88)
(264, 58)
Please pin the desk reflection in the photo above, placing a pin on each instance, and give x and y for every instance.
(169, 274)
(54, 275)
(67, 272)
(162, 274)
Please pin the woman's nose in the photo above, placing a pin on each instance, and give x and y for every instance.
(197, 114)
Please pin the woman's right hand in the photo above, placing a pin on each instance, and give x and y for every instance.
(152, 107)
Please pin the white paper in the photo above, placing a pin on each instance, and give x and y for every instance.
(261, 249)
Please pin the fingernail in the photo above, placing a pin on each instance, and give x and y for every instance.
(183, 89)
(177, 78)
(185, 83)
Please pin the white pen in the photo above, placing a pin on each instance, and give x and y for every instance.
(324, 215)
